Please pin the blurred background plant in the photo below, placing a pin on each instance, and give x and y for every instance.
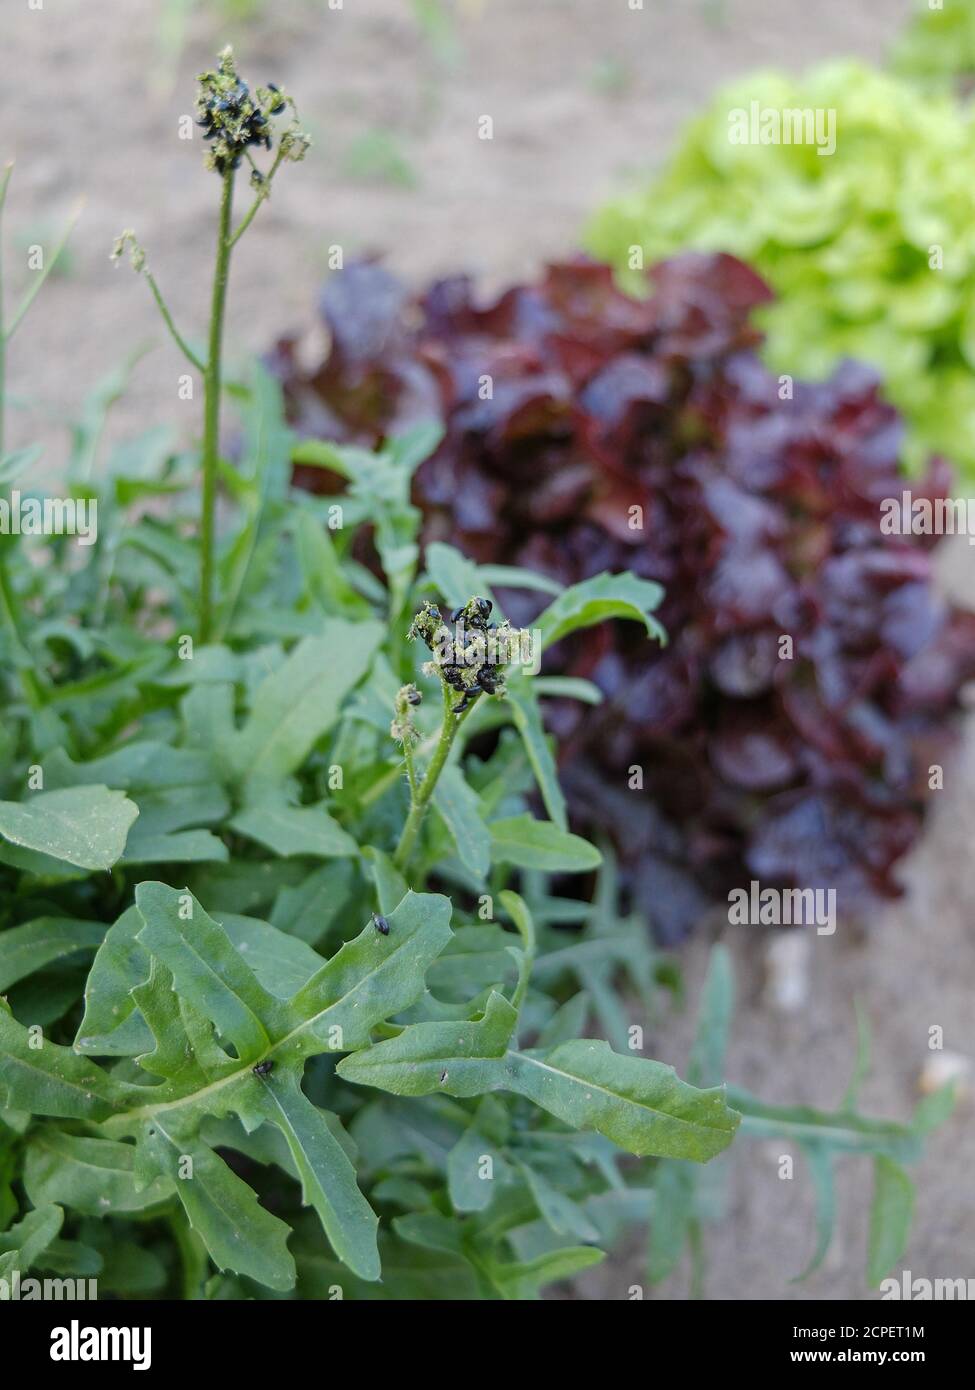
(645, 435)
(870, 250)
(937, 47)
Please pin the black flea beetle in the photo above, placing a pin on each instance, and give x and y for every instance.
(380, 923)
(264, 1068)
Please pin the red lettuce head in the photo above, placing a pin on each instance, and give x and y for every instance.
(787, 730)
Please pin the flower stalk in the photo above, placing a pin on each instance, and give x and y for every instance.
(468, 662)
(211, 408)
(420, 794)
(234, 121)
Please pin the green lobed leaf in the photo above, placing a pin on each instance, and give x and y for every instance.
(328, 1178)
(96, 1177)
(639, 1104)
(237, 1231)
(597, 599)
(43, 1078)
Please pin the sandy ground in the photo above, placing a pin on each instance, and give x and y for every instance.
(583, 93)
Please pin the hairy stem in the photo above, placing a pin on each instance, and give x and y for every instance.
(410, 769)
(211, 417)
(420, 798)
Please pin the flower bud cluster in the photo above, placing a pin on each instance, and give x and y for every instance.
(470, 658)
(234, 121)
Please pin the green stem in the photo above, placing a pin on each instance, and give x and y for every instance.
(421, 798)
(410, 769)
(211, 417)
(177, 337)
(262, 197)
(39, 279)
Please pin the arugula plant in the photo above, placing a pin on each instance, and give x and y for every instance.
(297, 986)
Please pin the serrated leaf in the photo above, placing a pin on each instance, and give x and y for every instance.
(209, 1018)
(39, 1076)
(237, 1231)
(84, 826)
(639, 1104)
(597, 599)
(120, 963)
(373, 977)
(208, 972)
(328, 1178)
(93, 1176)
(538, 844)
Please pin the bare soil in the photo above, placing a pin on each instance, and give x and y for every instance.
(583, 95)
